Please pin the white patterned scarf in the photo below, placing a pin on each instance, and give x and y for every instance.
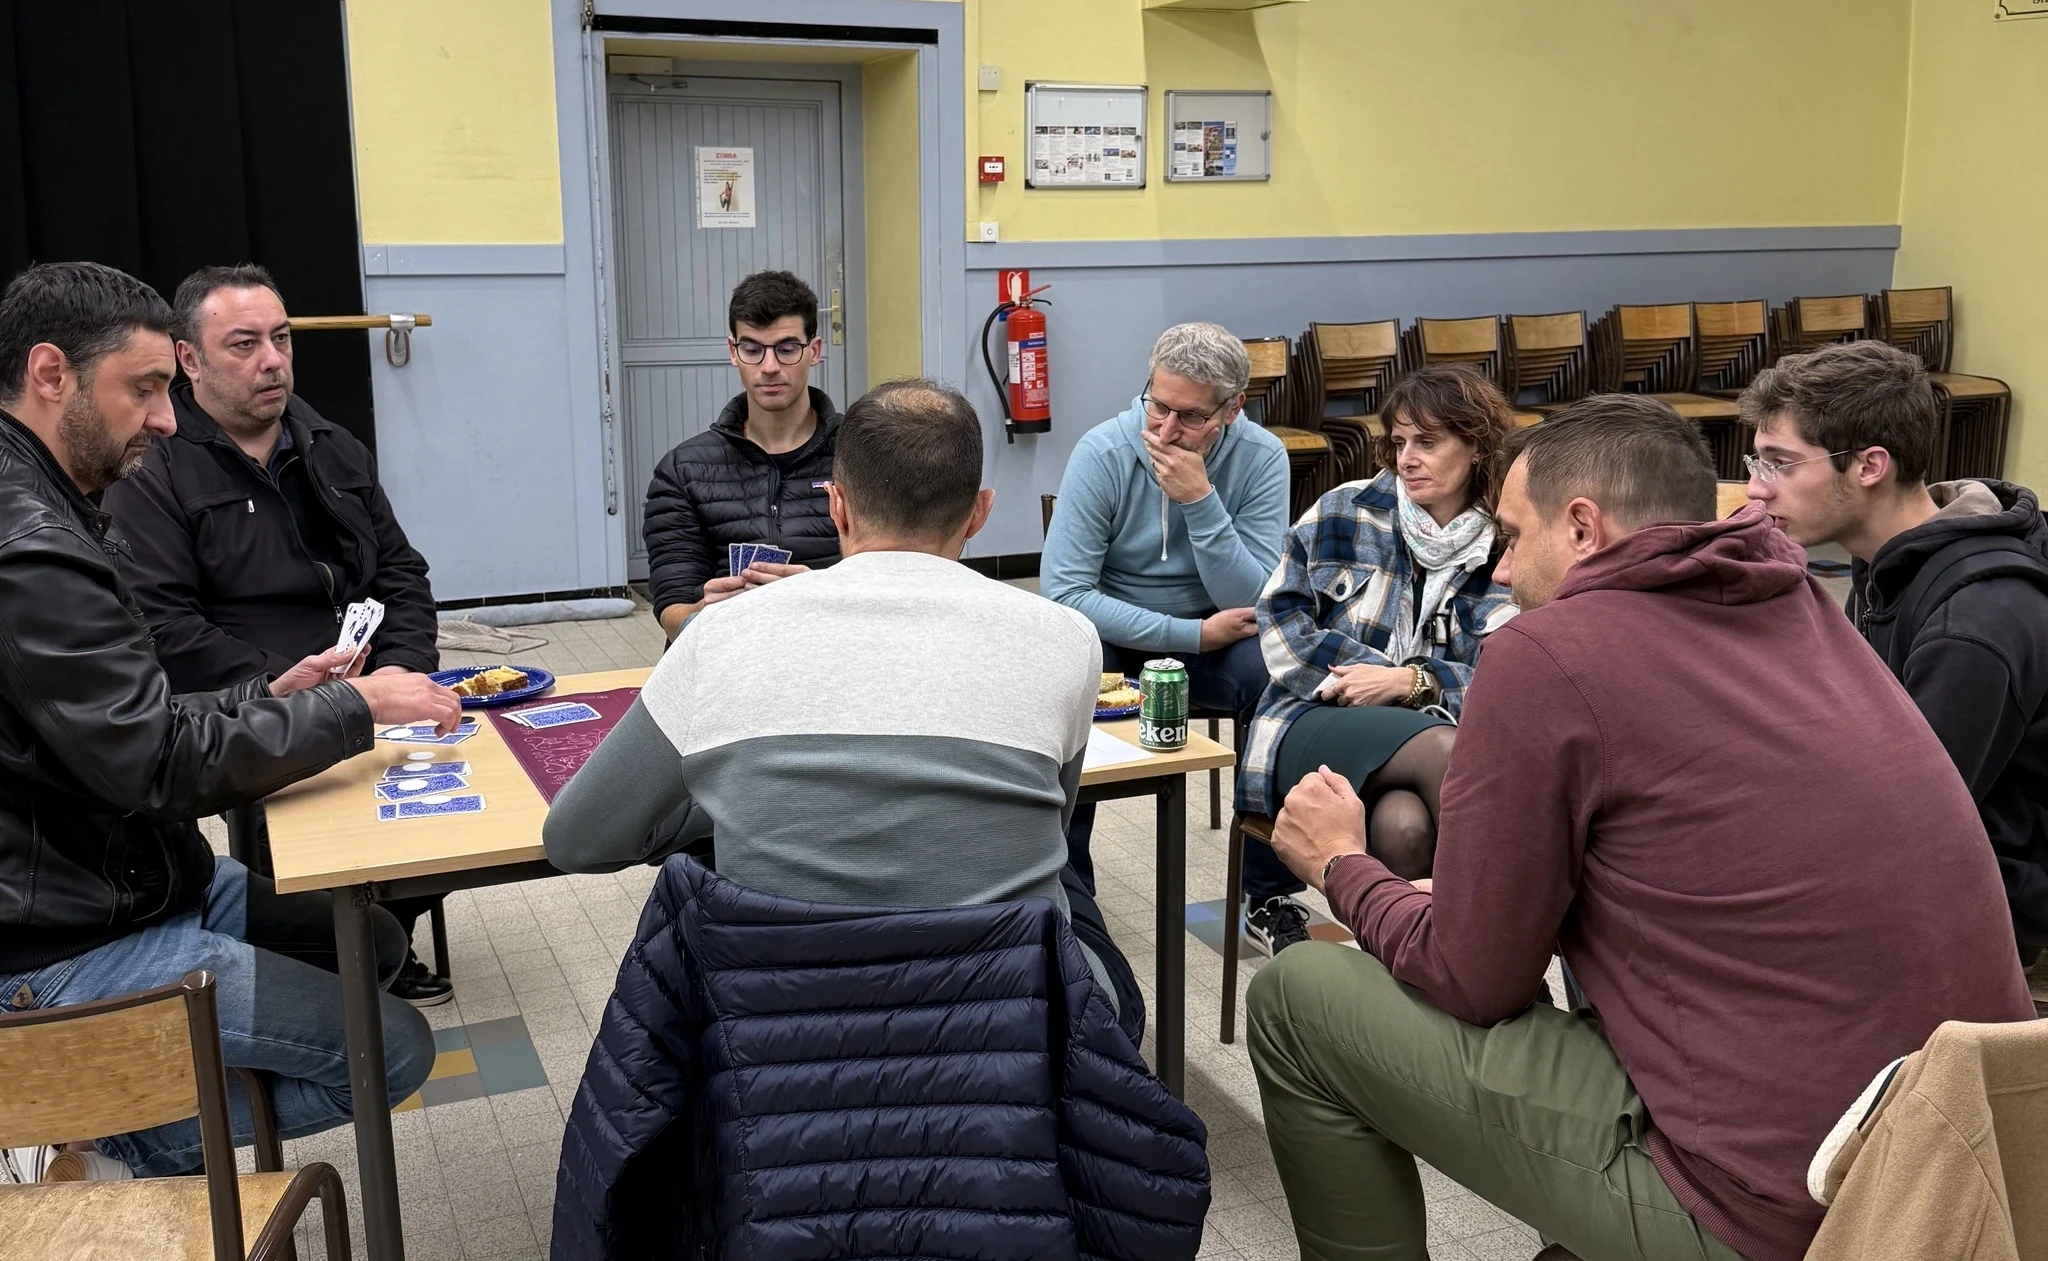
(1445, 553)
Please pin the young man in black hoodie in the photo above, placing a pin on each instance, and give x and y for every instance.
(1844, 437)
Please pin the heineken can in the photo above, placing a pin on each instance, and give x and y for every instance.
(1163, 705)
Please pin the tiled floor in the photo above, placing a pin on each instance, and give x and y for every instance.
(477, 1175)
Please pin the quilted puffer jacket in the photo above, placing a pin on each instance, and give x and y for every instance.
(777, 1080)
(717, 488)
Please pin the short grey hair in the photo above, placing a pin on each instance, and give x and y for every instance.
(1208, 353)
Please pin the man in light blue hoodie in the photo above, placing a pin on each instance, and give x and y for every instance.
(1169, 521)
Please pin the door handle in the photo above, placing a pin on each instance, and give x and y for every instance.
(838, 321)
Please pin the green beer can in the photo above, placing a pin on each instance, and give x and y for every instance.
(1163, 705)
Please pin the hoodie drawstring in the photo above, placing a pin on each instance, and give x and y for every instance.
(1162, 522)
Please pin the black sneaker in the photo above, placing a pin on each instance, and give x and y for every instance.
(420, 987)
(1276, 924)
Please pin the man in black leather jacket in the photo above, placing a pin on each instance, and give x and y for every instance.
(106, 886)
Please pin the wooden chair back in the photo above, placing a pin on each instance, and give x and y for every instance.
(1918, 321)
(1733, 343)
(1810, 323)
(1346, 360)
(127, 1063)
(1476, 341)
(1645, 349)
(1267, 389)
(1045, 503)
(1550, 354)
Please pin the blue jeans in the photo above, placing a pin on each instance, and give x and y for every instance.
(1231, 679)
(280, 1013)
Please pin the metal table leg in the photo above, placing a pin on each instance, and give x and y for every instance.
(1169, 1014)
(363, 1020)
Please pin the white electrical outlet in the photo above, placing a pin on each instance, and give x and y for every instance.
(989, 231)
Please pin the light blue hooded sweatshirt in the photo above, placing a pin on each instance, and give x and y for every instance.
(1146, 570)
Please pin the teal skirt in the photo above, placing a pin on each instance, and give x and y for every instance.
(1352, 740)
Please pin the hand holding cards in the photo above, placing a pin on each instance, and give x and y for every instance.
(361, 622)
(739, 556)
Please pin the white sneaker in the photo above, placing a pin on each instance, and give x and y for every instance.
(23, 1166)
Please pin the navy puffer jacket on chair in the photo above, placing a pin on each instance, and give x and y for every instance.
(778, 1080)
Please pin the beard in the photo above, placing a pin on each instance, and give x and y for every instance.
(98, 459)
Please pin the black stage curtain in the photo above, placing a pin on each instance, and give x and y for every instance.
(159, 136)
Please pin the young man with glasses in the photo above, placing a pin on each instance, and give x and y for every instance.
(1169, 522)
(1950, 580)
(758, 474)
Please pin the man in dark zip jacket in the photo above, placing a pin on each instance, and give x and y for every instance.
(1844, 439)
(758, 474)
(106, 887)
(254, 527)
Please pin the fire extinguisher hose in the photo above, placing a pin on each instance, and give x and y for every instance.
(994, 378)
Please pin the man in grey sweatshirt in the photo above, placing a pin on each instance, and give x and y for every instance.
(896, 730)
(1169, 521)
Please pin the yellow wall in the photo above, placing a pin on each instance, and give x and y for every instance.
(1392, 116)
(1969, 213)
(889, 124)
(454, 107)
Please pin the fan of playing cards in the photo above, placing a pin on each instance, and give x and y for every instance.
(740, 555)
(361, 622)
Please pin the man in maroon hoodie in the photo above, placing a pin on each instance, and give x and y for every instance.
(1681, 768)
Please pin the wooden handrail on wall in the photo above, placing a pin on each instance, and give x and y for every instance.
(324, 323)
(397, 330)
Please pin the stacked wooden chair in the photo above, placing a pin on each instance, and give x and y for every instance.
(1476, 341)
(1550, 355)
(1350, 365)
(1975, 411)
(1665, 351)
(1310, 458)
(1807, 324)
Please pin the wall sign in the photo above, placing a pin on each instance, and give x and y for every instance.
(2020, 9)
(725, 188)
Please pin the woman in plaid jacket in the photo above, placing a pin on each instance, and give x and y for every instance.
(1372, 624)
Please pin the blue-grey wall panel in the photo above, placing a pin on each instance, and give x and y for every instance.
(479, 444)
(1105, 315)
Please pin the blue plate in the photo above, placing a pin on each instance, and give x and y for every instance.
(1117, 711)
(537, 682)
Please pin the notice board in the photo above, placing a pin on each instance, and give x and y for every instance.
(1080, 135)
(1219, 136)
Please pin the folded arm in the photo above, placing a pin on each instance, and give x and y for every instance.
(1235, 552)
(1070, 571)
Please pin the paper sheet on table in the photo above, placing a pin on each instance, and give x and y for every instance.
(1105, 749)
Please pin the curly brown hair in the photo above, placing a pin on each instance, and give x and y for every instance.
(1459, 400)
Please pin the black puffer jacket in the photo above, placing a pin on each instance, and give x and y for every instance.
(102, 769)
(719, 488)
(1978, 670)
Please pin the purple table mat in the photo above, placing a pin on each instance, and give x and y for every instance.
(551, 757)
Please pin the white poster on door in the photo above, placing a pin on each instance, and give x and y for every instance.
(725, 188)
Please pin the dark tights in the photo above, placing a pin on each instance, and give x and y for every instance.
(1402, 798)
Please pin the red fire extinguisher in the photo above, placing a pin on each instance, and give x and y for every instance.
(1026, 390)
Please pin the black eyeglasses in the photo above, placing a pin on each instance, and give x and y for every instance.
(1192, 420)
(787, 352)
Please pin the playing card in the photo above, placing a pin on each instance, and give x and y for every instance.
(423, 733)
(732, 558)
(357, 626)
(541, 717)
(413, 770)
(430, 807)
(747, 553)
(771, 555)
(419, 786)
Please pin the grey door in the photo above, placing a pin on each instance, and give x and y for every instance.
(673, 278)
